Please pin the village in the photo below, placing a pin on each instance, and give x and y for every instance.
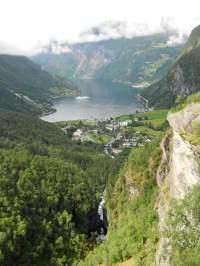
(118, 134)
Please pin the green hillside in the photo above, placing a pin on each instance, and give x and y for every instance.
(182, 79)
(24, 86)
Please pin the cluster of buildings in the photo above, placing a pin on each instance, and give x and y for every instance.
(117, 125)
(118, 140)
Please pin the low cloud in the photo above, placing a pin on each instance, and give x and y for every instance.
(123, 29)
(16, 49)
(177, 39)
(50, 46)
(57, 48)
(99, 32)
(115, 30)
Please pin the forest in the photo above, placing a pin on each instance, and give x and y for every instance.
(50, 185)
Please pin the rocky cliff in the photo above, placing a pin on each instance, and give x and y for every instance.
(182, 79)
(178, 171)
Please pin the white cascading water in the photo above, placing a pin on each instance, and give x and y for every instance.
(100, 213)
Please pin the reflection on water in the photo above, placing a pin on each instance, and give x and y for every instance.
(98, 99)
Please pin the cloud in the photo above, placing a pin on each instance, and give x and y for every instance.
(115, 30)
(177, 39)
(57, 48)
(28, 27)
(20, 49)
(124, 29)
(100, 32)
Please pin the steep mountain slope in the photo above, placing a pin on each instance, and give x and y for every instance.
(178, 177)
(153, 207)
(140, 60)
(48, 201)
(24, 86)
(182, 79)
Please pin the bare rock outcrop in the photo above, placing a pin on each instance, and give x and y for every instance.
(182, 121)
(180, 85)
(183, 172)
(178, 171)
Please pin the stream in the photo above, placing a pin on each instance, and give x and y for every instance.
(102, 232)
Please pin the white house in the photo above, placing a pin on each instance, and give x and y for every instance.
(113, 126)
(125, 123)
(78, 133)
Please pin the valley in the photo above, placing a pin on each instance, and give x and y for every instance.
(107, 156)
(98, 99)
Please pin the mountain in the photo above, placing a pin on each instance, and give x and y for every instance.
(140, 60)
(25, 87)
(153, 206)
(182, 79)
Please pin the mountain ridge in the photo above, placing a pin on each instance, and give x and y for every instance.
(182, 79)
(25, 86)
(140, 60)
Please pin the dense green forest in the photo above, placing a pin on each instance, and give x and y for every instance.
(50, 185)
(50, 190)
(130, 202)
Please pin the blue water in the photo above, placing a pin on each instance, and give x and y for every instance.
(106, 99)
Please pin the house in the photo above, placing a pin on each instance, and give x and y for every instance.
(113, 126)
(119, 136)
(116, 152)
(126, 144)
(125, 123)
(77, 134)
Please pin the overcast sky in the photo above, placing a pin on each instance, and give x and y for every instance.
(27, 26)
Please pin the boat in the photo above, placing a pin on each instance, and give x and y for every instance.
(82, 97)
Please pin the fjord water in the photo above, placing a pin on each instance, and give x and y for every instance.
(106, 99)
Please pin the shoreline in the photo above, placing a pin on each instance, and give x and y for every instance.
(140, 86)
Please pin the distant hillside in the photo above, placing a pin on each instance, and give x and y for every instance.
(140, 60)
(25, 87)
(182, 79)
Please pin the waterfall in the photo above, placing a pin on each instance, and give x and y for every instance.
(100, 213)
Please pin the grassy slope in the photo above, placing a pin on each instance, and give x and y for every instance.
(155, 117)
(21, 77)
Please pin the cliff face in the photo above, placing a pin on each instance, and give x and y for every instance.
(182, 79)
(180, 86)
(178, 171)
